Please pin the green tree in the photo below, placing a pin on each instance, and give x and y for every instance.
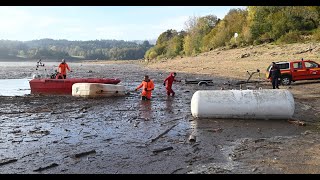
(197, 29)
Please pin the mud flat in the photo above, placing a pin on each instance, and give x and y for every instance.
(65, 134)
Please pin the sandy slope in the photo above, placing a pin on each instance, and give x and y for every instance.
(228, 63)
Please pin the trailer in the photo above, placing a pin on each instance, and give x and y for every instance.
(199, 82)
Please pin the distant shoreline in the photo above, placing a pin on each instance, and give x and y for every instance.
(59, 60)
(43, 60)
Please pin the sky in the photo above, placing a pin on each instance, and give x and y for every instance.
(83, 23)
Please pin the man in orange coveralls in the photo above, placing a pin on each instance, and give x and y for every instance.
(62, 69)
(170, 80)
(147, 86)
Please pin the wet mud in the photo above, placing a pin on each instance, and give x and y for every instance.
(124, 135)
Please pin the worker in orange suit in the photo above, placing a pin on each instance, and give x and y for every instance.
(169, 83)
(147, 86)
(62, 69)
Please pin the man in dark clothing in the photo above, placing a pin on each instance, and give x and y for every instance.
(275, 74)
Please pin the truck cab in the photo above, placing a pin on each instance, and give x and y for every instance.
(297, 71)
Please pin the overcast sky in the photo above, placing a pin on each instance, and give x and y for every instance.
(98, 22)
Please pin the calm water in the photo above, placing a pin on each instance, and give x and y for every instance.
(27, 64)
(20, 87)
(14, 87)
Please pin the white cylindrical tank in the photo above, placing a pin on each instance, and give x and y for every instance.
(243, 104)
(97, 90)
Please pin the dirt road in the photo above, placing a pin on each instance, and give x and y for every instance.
(65, 134)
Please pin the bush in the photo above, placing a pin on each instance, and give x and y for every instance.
(235, 43)
(152, 55)
(316, 35)
(257, 42)
(290, 37)
(161, 57)
(265, 38)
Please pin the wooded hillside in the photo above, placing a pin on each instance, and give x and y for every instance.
(239, 28)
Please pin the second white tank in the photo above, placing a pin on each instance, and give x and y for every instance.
(243, 104)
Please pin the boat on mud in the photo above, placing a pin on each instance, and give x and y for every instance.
(63, 86)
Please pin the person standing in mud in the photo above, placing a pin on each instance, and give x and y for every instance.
(169, 83)
(62, 69)
(147, 86)
(275, 75)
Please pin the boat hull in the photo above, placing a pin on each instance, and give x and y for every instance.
(63, 86)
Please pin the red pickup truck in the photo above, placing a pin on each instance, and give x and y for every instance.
(297, 70)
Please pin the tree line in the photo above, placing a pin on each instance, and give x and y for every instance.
(57, 49)
(253, 25)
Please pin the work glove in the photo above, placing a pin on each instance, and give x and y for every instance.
(135, 89)
(164, 84)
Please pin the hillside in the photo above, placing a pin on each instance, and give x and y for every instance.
(234, 63)
(57, 49)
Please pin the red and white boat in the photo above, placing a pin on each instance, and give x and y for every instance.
(63, 86)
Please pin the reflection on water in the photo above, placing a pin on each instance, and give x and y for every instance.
(14, 87)
(145, 110)
(169, 106)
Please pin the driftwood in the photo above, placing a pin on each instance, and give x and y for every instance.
(192, 138)
(84, 109)
(14, 112)
(8, 161)
(179, 118)
(244, 55)
(47, 167)
(215, 130)
(176, 170)
(165, 132)
(80, 116)
(62, 112)
(45, 132)
(124, 110)
(296, 121)
(162, 149)
(84, 153)
(304, 51)
(29, 154)
(15, 131)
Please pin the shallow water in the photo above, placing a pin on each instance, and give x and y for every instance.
(14, 87)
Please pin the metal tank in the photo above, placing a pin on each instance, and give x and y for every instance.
(97, 90)
(243, 104)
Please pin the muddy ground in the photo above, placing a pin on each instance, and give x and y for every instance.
(65, 134)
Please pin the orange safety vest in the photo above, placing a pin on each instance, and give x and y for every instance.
(63, 68)
(150, 87)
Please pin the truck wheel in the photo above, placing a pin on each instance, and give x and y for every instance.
(286, 80)
(202, 84)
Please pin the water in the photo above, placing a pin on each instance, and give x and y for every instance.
(14, 87)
